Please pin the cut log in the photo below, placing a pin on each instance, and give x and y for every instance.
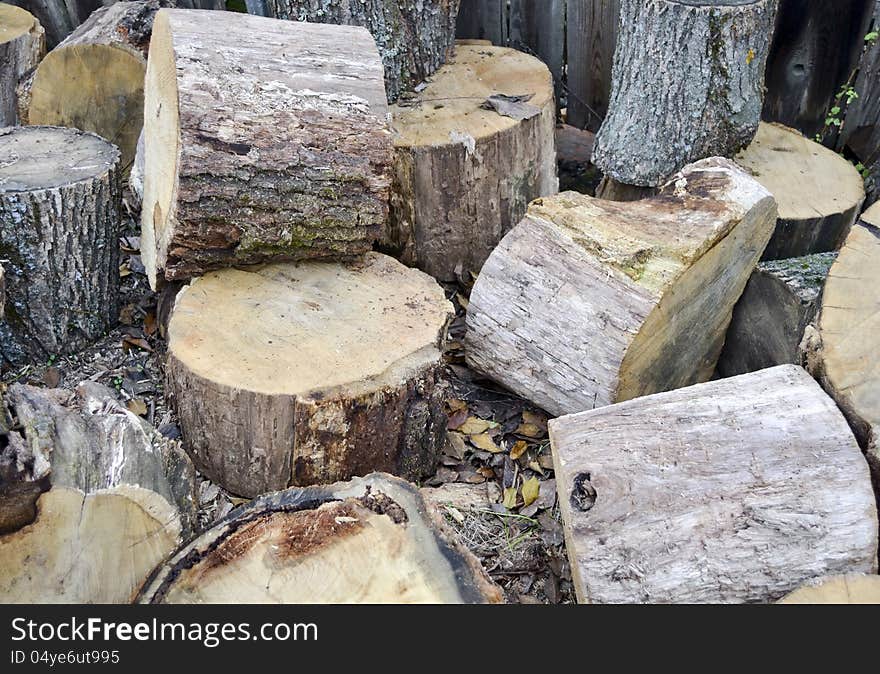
(589, 302)
(842, 351)
(111, 514)
(733, 491)
(22, 45)
(94, 79)
(359, 392)
(464, 174)
(849, 589)
(414, 38)
(371, 540)
(59, 233)
(781, 299)
(2, 290)
(666, 112)
(136, 177)
(819, 193)
(264, 140)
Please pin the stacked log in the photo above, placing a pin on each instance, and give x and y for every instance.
(850, 589)
(470, 152)
(22, 45)
(274, 147)
(733, 491)
(295, 375)
(59, 232)
(589, 302)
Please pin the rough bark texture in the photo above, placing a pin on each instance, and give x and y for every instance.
(819, 193)
(850, 589)
(464, 175)
(415, 37)
(671, 106)
(360, 392)
(59, 230)
(371, 540)
(2, 291)
(589, 302)
(263, 140)
(111, 512)
(733, 491)
(22, 45)
(781, 299)
(94, 79)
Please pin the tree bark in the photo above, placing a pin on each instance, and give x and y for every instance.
(415, 37)
(111, 512)
(371, 540)
(819, 192)
(22, 45)
(464, 175)
(59, 231)
(360, 392)
(589, 302)
(852, 588)
(260, 148)
(672, 106)
(781, 299)
(733, 491)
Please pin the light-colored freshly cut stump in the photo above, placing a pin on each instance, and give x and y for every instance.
(589, 302)
(264, 140)
(295, 375)
(843, 351)
(850, 589)
(94, 79)
(781, 299)
(672, 105)
(372, 540)
(59, 240)
(463, 174)
(819, 193)
(414, 38)
(732, 491)
(22, 45)
(109, 511)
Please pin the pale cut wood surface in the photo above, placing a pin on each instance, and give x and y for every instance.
(850, 589)
(22, 45)
(732, 491)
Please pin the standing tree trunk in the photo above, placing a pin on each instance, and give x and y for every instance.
(671, 106)
(414, 38)
(22, 45)
(59, 231)
(263, 140)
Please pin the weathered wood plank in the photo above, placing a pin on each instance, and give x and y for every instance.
(591, 41)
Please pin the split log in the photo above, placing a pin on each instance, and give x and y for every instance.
(819, 193)
(94, 79)
(732, 491)
(59, 233)
(414, 38)
(22, 45)
(358, 392)
(111, 514)
(589, 302)
(371, 540)
(136, 177)
(464, 174)
(263, 139)
(849, 589)
(669, 108)
(781, 299)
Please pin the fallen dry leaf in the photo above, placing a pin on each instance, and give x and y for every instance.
(530, 430)
(150, 325)
(475, 426)
(129, 342)
(534, 418)
(509, 501)
(456, 419)
(530, 490)
(485, 442)
(519, 448)
(137, 406)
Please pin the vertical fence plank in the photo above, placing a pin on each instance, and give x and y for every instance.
(538, 27)
(592, 37)
(483, 20)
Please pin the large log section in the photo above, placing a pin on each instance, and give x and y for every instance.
(22, 45)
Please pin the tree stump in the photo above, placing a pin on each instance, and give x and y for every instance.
(732, 491)
(372, 540)
(263, 140)
(111, 512)
(59, 237)
(781, 299)
(308, 374)
(589, 302)
(94, 79)
(22, 45)
(672, 106)
(414, 38)
(819, 193)
(850, 589)
(464, 174)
